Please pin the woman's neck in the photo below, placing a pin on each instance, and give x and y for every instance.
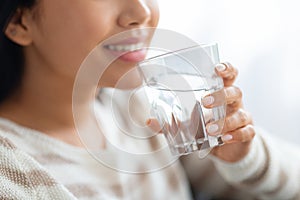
(44, 102)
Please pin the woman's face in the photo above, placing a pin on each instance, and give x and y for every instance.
(67, 30)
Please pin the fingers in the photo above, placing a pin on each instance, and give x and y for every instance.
(172, 128)
(227, 72)
(233, 99)
(237, 120)
(232, 95)
(237, 128)
(233, 122)
(213, 100)
(154, 125)
(214, 128)
(244, 134)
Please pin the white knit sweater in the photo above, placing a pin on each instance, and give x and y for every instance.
(36, 166)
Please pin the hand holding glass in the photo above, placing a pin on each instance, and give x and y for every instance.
(175, 84)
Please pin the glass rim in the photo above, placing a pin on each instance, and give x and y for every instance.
(178, 51)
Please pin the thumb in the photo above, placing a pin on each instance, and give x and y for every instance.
(154, 125)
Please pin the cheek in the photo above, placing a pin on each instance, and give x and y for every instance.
(64, 44)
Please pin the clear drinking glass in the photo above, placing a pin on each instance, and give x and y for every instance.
(175, 84)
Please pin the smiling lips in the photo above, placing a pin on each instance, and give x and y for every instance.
(129, 50)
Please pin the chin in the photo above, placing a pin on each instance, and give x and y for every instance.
(122, 76)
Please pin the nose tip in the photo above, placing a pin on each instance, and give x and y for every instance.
(137, 13)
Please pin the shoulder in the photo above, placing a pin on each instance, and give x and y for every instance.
(13, 180)
(8, 149)
(21, 177)
(6, 144)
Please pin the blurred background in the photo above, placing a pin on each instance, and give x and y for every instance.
(259, 37)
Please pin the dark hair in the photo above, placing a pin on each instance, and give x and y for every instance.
(11, 55)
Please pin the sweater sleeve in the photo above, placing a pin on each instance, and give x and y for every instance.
(271, 170)
(21, 177)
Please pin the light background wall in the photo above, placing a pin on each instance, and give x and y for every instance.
(259, 37)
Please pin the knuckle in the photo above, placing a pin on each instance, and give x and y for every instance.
(238, 92)
(251, 131)
(243, 117)
(229, 91)
(231, 68)
(233, 92)
(244, 136)
(229, 123)
(247, 133)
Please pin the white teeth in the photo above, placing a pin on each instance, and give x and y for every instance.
(129, 47)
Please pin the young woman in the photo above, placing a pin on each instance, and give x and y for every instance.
(43, 43)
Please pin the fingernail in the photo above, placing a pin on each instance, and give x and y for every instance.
(212, 128)
(208, 100)
(226, 137)
(220, 67)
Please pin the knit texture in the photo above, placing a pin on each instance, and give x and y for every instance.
(36, 166)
